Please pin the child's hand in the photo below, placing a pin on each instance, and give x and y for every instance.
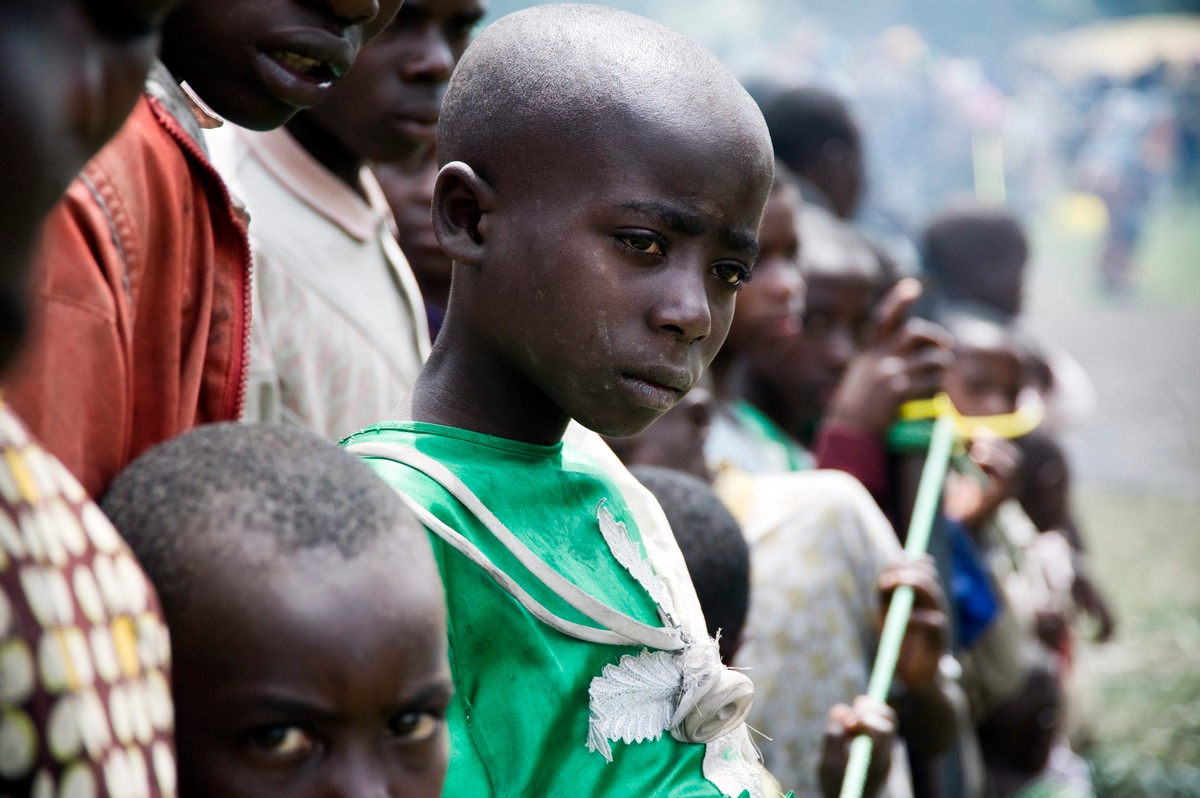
(903, 359)
(926, 635)
(1051, 627)
(973, 504)
(844, 723)
(1089, 598)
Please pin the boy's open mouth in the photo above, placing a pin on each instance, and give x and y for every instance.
(303, 66)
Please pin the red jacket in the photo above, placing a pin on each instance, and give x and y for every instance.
(142, 301)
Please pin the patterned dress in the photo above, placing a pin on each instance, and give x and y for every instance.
(817, 546)
(85, 696)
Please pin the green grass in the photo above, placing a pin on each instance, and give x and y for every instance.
(1169, 256)
(1146, 544)
(1147, 554)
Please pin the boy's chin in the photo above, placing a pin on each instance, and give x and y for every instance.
(623, 427)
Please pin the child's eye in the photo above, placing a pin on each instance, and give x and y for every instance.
(283, 742)
(816, 325)
(128, 20)
(416, 726)
(733, 274)
(643, 243)
(460, 29)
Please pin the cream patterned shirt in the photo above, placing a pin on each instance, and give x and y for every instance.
(339, 332)
(818, 544)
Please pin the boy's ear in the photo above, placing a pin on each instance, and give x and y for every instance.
(461, 203)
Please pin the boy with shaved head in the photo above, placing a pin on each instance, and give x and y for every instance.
(305, 612)
(602, 183)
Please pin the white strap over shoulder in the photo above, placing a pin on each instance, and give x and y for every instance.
(616, 628)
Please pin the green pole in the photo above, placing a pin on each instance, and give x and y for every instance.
(929, 494)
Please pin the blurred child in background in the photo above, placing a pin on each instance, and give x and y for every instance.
(340, 331)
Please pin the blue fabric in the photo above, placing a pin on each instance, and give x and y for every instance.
(971, 588)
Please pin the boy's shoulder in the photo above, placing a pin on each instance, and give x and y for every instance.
(503, 473)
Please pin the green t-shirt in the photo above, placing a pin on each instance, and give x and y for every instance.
(772, 437)
(519, 719)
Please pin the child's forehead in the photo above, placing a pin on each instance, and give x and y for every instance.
(653, 172)
(992, 354)
(832, 250)
(842, 278)
(579, 73)
(321, 579)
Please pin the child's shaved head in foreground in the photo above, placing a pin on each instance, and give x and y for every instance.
(297, 587)
(248, 491)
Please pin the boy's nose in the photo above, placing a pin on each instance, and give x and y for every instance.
(354, 12)
(432, 59)
(358, 777)
(839, 349)
(783, 281)
(683, 310)
(995, 404)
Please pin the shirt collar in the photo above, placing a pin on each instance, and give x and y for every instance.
(320, 189)
(182, 103)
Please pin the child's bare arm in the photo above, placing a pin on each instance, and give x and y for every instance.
(928, 703)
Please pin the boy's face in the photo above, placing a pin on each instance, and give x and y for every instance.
(71, 71)
(257, 62)
(386, 110)
(985, 379)
(837, 316)
(410, 195)
(611, 270)
(307, 674)
(769, 308)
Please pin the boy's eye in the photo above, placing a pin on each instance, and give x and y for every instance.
(460, 29)
(733, 274)
(816, 325)
(283, 742)
(128, 20)
(416, 726)
(643, 243)
(977, 387)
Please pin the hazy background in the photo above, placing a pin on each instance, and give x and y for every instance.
(1082, 116)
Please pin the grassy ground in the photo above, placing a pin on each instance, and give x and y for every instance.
(1147, 553)
(1138, 489)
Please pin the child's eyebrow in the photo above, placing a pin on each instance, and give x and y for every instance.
(290, 707)
(691, 223)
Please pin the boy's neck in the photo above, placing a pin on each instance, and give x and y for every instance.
(463, 386)
(436, 291)
(329, 151)
(774, 406)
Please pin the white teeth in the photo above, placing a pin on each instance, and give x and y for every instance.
(299, 63)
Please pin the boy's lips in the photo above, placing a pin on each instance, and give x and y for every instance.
(302, 68)
(657, 389)
(785, 326)
(419, 121)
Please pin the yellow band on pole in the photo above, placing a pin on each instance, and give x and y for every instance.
(1027, 417)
